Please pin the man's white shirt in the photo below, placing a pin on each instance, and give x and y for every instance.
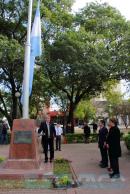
(59, 131)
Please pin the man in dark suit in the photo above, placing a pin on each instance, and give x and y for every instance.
(102, 144)
(48, 133)
(114, 147)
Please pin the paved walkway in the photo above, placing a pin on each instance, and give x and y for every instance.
(85, 159)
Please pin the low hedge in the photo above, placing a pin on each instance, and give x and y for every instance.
(79, 138)
(1, 159)
(127, 140)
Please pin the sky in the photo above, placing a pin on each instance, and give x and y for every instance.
(122, 5)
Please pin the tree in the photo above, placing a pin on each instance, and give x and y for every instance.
(113, 29)
(116, 103)
(124, 112)
(11, 60)
(61, 100)
(85, 111)
(80, 52)
(13, 22)
(79, 60)
(41, 92)
(114, 97)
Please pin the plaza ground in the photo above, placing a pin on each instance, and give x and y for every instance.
(93, 179)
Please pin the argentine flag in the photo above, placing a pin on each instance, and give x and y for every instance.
(36, 49)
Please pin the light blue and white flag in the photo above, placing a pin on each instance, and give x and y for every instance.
(36, 49)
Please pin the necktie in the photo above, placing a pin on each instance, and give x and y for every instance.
(48, 126)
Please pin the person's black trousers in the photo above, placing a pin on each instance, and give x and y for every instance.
(4, 138)
(115, 165)
(104, 156)
(48, 142)
(86, 138)
(58, 142)
(42, 144)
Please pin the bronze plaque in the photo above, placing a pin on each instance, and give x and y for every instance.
(22, 137)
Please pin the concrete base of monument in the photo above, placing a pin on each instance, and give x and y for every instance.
(24, 155)
(24, 148)
(45, 171)
(22, 164)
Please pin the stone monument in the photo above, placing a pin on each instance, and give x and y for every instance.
(24, 149)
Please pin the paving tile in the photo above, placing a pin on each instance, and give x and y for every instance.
(85, 159)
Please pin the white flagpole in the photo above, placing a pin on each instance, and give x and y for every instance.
(27, 65)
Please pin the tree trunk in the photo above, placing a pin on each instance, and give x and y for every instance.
(71, 116)
(14, 107)
(10, 121)
(125, 121)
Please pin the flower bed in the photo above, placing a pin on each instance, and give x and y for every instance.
(63, 175)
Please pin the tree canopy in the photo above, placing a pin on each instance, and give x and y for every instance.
(13, 22)
(80, 52)
(85, 111)
(80, 59)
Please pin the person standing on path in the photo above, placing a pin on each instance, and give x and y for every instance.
(4, 133)
(48, 135)
(86, 132)
(59, 132)
(114, 147)
(103, 132)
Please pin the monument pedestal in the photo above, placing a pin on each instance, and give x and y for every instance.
(24, 149)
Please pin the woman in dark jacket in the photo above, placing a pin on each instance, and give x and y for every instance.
(114, 147)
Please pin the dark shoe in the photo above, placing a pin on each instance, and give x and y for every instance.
(56, 150)
(45, 161)
(100, 163)
(51, 160)
(103, 166)
(114, 176)
(59, 149)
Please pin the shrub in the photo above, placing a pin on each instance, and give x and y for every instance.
(74, 138)
(127, 140)
(1, 159)
(122, 135)
(79, 138)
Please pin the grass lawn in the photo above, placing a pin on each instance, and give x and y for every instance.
(63, 174)
(61, 166)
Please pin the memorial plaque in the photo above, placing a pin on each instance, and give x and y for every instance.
(22, 137)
